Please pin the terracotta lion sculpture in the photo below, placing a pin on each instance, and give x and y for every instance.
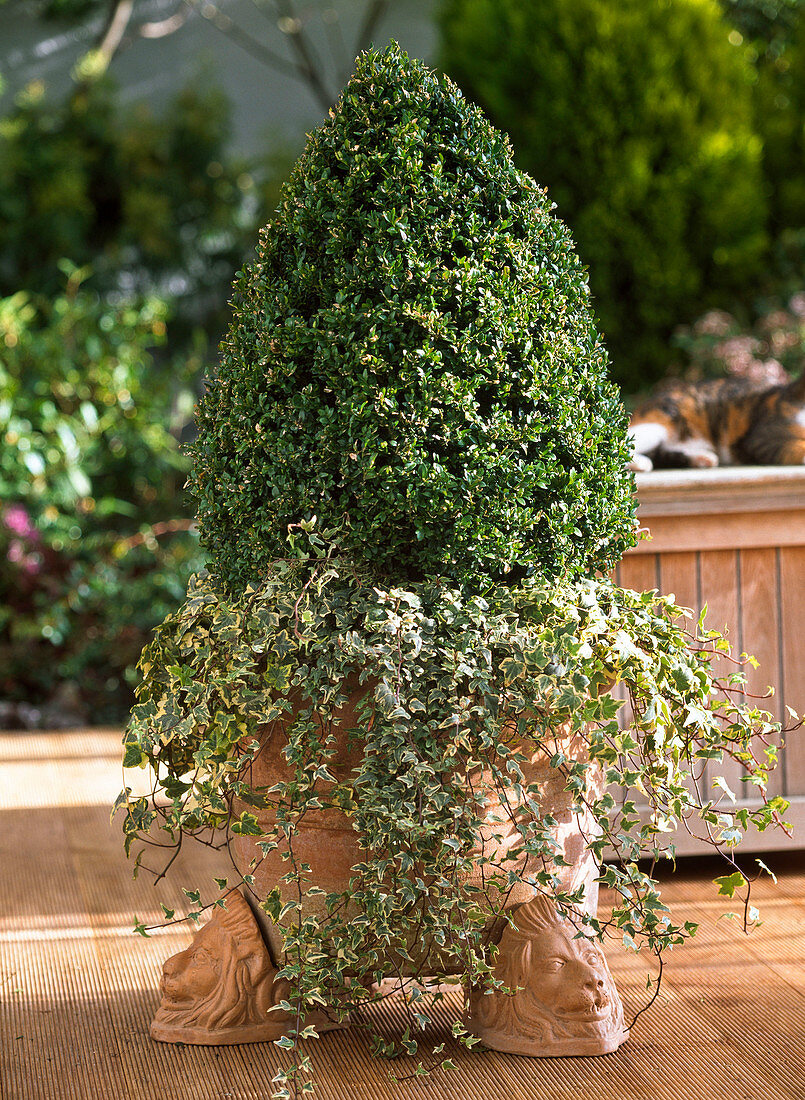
(562, 999)
(223, 988)
(219, 991)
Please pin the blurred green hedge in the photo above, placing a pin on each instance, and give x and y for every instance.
(638, 118)
(779, 95)
(95, 542)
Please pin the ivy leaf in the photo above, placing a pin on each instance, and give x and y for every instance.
(728, 884)
(246, 825)
(721, 782)
(133, 756)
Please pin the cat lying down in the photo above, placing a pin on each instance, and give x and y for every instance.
(726, 422)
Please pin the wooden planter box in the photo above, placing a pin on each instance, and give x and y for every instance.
(734, 539)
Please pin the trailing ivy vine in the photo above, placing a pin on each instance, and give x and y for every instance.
(458, 693)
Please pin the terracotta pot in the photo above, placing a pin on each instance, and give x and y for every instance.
(327, 841)
(558, 997)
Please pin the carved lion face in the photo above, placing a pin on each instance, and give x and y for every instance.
(568, 978)
(561, 998)
(219, 990)
(191, 975)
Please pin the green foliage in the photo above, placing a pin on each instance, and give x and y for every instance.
(150, 202)
(774, 35)
(413, 360)
(460, 691)
(95, 546)
(768, 24)
(99, 545)
(780, 115)
(638, 118)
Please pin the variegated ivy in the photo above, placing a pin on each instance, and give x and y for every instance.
(447, 674)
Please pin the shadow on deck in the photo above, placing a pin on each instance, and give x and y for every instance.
(78, 990)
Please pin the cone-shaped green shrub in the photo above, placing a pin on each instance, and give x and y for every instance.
(413, 360)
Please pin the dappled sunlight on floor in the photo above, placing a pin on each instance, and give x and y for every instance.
(65, 768)
(79, 988)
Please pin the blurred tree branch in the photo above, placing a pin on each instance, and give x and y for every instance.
(119, 30)
(114, 28)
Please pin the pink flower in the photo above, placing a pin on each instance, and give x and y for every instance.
(17, 520)
(797, 304)
(714, 323)
(777, 320)
(738, 354)
(29, 563)
(782, 342)
(32, 564)
(770, 371)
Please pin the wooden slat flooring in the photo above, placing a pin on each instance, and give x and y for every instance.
(77, 989)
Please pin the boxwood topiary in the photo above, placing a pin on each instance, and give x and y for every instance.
(413, 360)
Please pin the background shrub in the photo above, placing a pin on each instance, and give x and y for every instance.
(638, 118)
(97, 385)
(769, 25)
(413, 359)
(770, 351)
(774, 32)
(153, 203)
(95, 544)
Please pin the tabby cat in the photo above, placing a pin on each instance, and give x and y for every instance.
(726, 422)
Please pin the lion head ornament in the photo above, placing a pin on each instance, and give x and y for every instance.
(561, 999)
(219, 991)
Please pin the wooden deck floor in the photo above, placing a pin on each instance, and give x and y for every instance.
(77, 989)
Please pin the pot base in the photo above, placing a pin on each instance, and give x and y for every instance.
(556, 996)
(223, 989)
